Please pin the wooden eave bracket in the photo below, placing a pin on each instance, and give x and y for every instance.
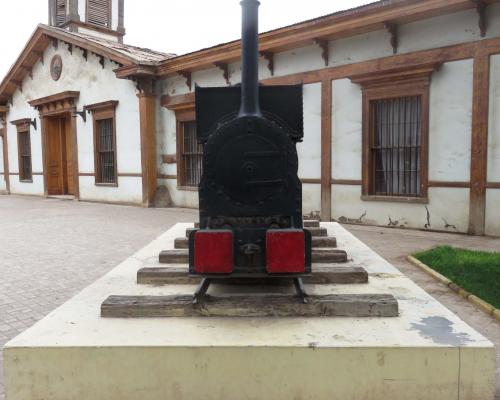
(225, 70)
(188, 76)
(55, 43)
(70, 48)
(19, 84)
(85, 54)
(40, 55)
(481, 6)
(325, 51)
(269, 57)
(28, 71)
(392, 29)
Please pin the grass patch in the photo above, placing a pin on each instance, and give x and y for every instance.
(478, 272)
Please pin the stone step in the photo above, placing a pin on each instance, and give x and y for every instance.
(321, 256)
(317, 241)
(308, 223)
(267, 305)
(315, 231)
(322, 275)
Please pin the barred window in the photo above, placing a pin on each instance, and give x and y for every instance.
(396, 130)
(105, 161)
(191, 155)
(24, 147)
(105, 151)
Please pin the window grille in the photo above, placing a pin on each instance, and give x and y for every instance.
(105, 149)
(99, 12)
(396, 146)
(192, 154)
(24, 143)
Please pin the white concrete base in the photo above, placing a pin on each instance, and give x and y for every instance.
(425, 353)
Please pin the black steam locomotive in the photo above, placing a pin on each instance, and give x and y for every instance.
(250, 195)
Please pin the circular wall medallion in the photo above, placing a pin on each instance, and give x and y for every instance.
(56, 67)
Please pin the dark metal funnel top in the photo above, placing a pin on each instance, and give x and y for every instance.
(250, 58)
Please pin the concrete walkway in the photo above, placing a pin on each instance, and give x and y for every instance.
(395, 244)
(51, 249)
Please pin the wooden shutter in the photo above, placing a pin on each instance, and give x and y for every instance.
(60, 12)
(99, 12)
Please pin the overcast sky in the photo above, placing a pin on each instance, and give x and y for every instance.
(176, 26)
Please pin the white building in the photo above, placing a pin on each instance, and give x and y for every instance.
(401, 111)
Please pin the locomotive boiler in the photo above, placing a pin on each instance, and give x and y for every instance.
(250, 196)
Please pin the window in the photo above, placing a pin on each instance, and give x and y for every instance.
(104, 142)
(191, 153)
(24, 147)
(99, 12)
(60, 12)
(105, 151)
(396, 146)
(395, 133)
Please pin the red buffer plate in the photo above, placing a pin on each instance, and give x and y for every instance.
(213, 252)
(285, 251)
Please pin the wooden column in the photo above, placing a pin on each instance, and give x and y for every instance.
(147, 112)
(3, 119)
(326, 150)
(74, 137)
(479, 142)
(43, 132)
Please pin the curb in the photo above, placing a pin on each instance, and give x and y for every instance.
(476, 301)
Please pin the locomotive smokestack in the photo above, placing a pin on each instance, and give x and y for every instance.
(250, 58)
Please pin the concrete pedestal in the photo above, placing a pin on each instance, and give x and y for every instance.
(425, 353)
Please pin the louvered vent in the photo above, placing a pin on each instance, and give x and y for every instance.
(99, 12)
(60, 12)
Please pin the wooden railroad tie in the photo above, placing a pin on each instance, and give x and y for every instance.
(317, 241)
(181, 256)
(257, 305)
(315, 231)
(308, 223)
(178, 275)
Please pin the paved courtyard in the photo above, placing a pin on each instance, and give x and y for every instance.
(51, 249)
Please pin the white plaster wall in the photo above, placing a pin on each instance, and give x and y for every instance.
(311, 198)
(492, 212)
(494, 121)
(346, 130)
(450, 122)
(3, 183)
(309, 151)
(18, 110)
(450, 204)
(129, 190)
(95, 85)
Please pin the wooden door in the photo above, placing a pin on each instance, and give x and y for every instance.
(68, 156)
(55, 178)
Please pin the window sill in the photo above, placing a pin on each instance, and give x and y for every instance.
(26, 180)
(395, 199)
(188, 188)
(107, 184)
